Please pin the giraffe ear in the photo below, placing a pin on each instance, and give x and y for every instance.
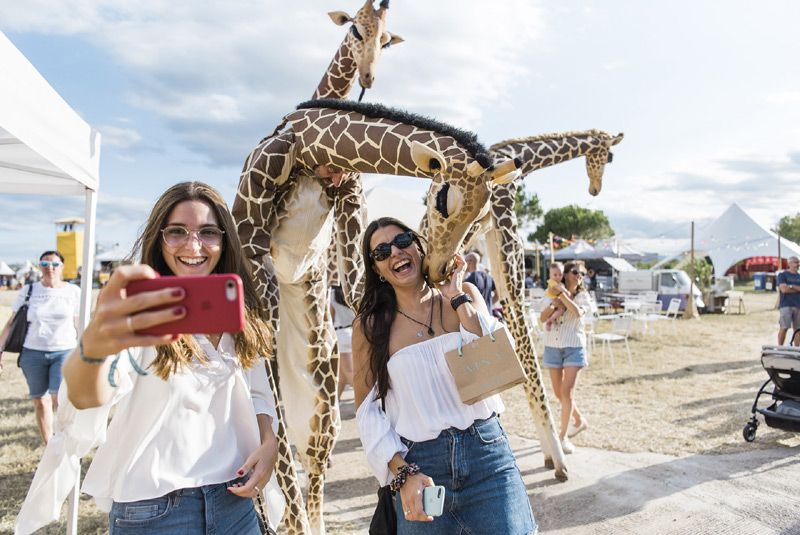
(388, 39)
(340, 17)
(426, 158)
(617, 138)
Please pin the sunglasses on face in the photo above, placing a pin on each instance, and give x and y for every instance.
(384, 250)
(176, 236)
(48, 263)
(575, 272)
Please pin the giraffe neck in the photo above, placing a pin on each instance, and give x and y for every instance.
(340, 76)
(544, 151)
(353, 142)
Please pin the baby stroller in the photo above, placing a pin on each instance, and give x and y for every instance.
(782, 363)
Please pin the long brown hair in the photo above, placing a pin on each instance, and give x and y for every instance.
(378, 307)
(250, 343)
(569, 266)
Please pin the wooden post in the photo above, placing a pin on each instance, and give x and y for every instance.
(552, 248)
(690, 311)
(538, 264)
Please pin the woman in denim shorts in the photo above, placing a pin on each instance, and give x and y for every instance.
(53, 309)
(415, 430)
(565, 345)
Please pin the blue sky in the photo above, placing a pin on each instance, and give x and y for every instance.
(708, 99)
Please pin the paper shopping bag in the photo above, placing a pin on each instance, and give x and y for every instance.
(486, 366)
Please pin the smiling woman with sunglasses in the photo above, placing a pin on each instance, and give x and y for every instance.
(53, 309)
(409, 413)
(565, 345)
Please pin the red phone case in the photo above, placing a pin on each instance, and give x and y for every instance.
(214, 303)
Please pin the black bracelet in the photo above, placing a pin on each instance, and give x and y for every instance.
(89, 360)
(459, 300)
(402, 474)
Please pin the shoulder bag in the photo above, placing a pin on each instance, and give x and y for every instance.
(384, 520)
(19, 327)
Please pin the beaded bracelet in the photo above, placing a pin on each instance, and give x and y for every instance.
(402, 474)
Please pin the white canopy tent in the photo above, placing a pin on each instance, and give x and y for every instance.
(47, 149)
(5, 270)
(735, 236)
(580, 250)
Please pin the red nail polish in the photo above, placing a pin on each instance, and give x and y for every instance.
(177, 292)
(240, 472)
(179, 311)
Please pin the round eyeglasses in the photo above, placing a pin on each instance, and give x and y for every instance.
(176, 236)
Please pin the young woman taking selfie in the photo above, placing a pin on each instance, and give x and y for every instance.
(192, 440)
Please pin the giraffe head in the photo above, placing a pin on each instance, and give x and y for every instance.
(454, 202)
(598, 157)
(367, 37)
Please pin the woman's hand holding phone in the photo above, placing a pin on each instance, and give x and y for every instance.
(411, 498)
(117, 317)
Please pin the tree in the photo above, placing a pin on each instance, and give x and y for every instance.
(789, 227)
(527, 207)
(575, 221)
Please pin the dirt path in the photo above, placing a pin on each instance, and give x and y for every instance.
(753, 492)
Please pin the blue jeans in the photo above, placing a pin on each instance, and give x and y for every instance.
(42, 370)
(210, 509)
(484, 492)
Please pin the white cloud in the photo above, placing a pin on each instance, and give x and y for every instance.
(121, 138)
(241, 65)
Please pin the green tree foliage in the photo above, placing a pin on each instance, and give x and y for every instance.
(789, 227)
(527, 207)
(574, 220)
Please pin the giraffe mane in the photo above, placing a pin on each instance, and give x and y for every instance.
(542, 137)
(465, 138)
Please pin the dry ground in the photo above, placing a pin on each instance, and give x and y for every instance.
(688, 391)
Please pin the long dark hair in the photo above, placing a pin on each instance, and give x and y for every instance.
(378, 307)
(569, 267)
(250, 343)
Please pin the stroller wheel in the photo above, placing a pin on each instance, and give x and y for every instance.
(749, 432)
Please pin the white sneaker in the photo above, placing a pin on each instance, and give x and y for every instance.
(567, 446)
(572, 430)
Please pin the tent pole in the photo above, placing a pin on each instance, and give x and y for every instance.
(780, 259)
(691, 310)
(87, 276)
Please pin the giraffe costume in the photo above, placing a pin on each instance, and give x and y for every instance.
(358, 52)
(505, 251)
(284, 215)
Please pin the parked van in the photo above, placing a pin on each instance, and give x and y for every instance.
(669, 283)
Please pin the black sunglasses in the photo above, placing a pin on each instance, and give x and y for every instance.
(575, 272)
(384, 250)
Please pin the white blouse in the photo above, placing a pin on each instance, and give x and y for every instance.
(51, 313)
(422, 401)
(196, 428)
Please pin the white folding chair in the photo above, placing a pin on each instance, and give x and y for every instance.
(620, 328)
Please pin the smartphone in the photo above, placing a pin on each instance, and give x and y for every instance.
(433, 500)
(214, 303)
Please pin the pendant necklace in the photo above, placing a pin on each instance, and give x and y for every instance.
(429, 325)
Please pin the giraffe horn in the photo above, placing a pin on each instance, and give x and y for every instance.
(504, 168)
(475, 169)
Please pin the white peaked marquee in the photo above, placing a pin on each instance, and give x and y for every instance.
(735, 236)
(47, 149)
